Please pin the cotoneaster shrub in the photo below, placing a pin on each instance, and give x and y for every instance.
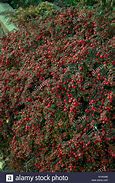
(56, 93)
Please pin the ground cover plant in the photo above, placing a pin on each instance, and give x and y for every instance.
(55, 93)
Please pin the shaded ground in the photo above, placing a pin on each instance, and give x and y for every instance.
(1, 32)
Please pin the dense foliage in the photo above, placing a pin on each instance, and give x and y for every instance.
(44, 9)
(56, 94)
(26, 3)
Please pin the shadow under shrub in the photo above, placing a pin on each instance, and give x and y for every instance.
(20, 3)
(56, 93)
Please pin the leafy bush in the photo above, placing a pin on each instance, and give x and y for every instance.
(20, 3)
(102, 5)
(56, 93)
(43, 9)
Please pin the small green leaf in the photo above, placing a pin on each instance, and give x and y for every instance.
(53, 106)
